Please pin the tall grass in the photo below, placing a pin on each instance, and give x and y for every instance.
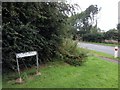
(72, 54)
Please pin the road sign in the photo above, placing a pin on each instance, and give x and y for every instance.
(26, 54)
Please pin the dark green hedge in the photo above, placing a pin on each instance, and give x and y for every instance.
(93, 37)
(32, 26)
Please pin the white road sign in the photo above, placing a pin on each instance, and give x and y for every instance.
(26, 54)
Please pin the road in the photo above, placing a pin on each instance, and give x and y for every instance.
(101, 48)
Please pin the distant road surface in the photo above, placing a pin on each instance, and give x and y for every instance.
(101, 48)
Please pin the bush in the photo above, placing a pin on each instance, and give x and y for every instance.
(93, 37)
(31, 26)
(72, 54)
(111, 34)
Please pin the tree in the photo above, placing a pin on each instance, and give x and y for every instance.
(111, 34)
(93, 37)
(118, 28)
(85, 21)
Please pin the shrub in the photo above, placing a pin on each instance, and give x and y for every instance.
(72, 54)
(31, 26)
(93, 37)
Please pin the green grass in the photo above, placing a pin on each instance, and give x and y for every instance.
(103, 54)
(0, 81)
(106, 44)
(94, 73)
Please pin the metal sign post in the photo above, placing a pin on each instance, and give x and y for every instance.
(37, 61)
(18, 67)
(27, 54)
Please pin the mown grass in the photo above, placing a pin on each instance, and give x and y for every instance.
(97, 53)
(94, 73)
(0, 81)
(106, 44)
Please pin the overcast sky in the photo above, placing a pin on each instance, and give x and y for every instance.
(108, 16)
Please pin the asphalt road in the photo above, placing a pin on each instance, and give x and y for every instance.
(101, 48)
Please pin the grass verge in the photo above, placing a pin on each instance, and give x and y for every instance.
(106, 44)
(0, 81)
(102, 54)
(94, 73)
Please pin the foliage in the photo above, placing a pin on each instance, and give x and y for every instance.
(112, 34)
(118, 28)
(85, 20)
(84, 26)
(31, 26)
(93, 37)
(97, 36)
(72, 54)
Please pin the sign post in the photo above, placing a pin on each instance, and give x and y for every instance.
(26, 54)
(20, 79)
